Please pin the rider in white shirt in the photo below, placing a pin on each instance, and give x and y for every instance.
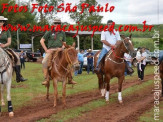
(109, 40)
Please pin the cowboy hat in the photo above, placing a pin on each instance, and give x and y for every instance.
(2, 18)
(57, 21)
(89, 50)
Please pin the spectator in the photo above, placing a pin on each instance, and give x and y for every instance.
(22, 59)
(90, 61)
(81, 60)
(128, 60)
(142, 60)
(43, 54)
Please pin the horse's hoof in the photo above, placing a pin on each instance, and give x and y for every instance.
(107, 101)
(64, 106)
(54, 106)
(11, 114)
(3, 104)
(121, 102)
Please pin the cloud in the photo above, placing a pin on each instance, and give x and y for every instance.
(126, 11)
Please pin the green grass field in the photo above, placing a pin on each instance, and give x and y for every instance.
(23, 92)
(33, 88)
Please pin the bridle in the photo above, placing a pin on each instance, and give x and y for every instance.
(116, 55)
(68, 60)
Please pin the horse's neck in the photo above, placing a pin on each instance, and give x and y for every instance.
(63, 61)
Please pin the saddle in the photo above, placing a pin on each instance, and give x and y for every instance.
(12, 55)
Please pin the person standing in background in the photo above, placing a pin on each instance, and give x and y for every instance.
(22, 59)
(128, 60)
(81, 60)
(143, 64)
(90, 61)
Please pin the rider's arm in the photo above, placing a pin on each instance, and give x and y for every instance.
(42, 41)
(64, 40)
(103, 39)
(106, 43)
(8, 40)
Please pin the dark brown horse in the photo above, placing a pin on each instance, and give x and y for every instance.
(112, 65)
(61, 66)
(161, 74)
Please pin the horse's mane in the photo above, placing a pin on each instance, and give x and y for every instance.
(119, 43)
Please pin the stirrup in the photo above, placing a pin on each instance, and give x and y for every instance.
(72, 82)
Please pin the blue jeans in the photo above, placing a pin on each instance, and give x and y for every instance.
(81, 68)
(90, 66)
(76, 72)
(102, 54)
(129, 64)
(161, 56)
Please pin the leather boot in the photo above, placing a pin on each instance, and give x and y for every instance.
(70, 81)
(19, 77)
(45, 71)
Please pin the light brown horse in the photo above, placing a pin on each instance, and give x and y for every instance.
(112, 65)
(61, 67)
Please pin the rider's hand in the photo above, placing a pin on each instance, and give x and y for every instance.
(2, 45)
(60, 49)
(48, 51)
(112, 46)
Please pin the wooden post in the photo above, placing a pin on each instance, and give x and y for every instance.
(32, 43)
(78, 41)
(92, 43)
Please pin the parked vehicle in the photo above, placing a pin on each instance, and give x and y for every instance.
(29, 55)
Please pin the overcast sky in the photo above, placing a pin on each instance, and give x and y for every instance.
(127, 11)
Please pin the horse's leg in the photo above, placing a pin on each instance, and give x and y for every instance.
(120, 81)
(101, 83)
(48, 85)
(55, 92)
(0, 99)
(2, 95)
(107, 80)
(10, 108)
(162, 86)
(64, 93)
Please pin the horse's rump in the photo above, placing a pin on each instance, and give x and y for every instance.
(12, 55)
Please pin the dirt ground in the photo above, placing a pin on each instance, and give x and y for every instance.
(134, 105)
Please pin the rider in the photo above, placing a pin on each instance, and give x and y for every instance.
(109, 40)
(55, 40)
(5, 41)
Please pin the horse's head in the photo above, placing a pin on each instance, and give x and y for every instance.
(128, 45)
(71, 55)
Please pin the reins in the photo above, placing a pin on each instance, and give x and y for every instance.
(113, 51)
